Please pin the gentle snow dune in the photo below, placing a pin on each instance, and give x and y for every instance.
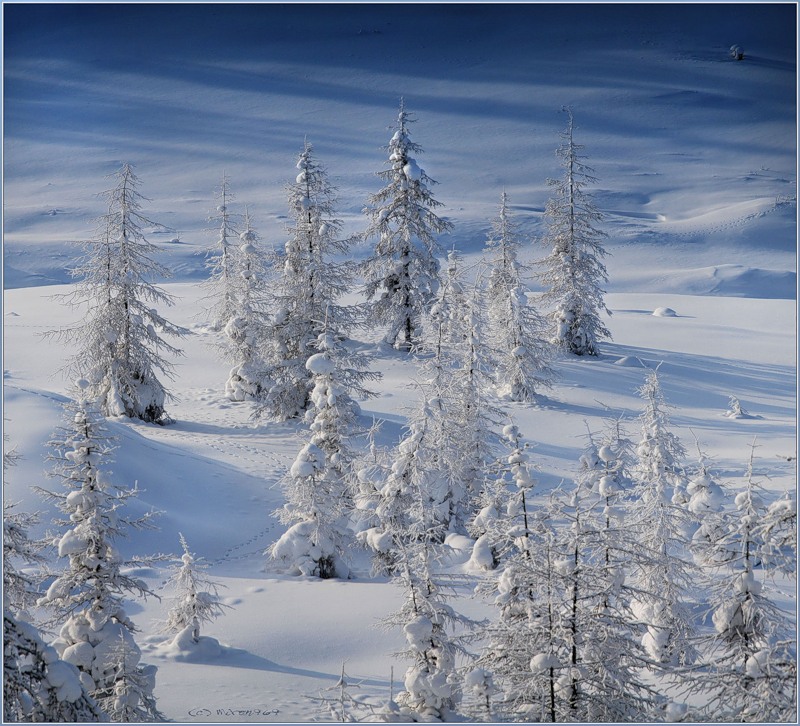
(695, 155)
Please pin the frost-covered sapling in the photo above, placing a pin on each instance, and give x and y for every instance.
(516, 330)
(574, 271)
(87, 596)
(121, 344)
(402, 274)
(735, 409)
(341, 705)
(196, 598)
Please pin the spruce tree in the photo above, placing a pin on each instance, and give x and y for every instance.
(574, 271)
(402, 274)
(121, 348)
(662, 568)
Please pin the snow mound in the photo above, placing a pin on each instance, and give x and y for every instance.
(630, 361)
(665, 313)
(185, 649)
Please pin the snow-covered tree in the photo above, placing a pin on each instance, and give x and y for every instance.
(121, 348)
(19, 550)
(778, 534)
(416, 471)
(87, 596)
(402, 274)
(196, 598)
(306, 296)
(574, 271)
(751, 671)
(222, 283)
(432, 682)
(517, 331)
(321, 483)
(662, 568)
(37, 684)
(247, 330)
(561, 646)
(474, 416)
(444, 323)
(501, 524)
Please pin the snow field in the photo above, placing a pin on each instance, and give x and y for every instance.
(214, 475)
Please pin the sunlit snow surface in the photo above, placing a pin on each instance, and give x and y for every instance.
(695, 158)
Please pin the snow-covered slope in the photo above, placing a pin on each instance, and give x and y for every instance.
(695, 155)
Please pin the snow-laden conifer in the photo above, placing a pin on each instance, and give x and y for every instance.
(474, 415)
(501, 524)
(37, 684)
(402, 274)
(196, 596)
(561, 646)
(751, 671)
(444, 323)
(87, 596)
(222, 282)
(321, 483)
(121, 345)
(432, 684)
(416, 470)
(306, 294)
(516, 330)
(574, 271)
(19, 550)
(246, 331)
(662, 568)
